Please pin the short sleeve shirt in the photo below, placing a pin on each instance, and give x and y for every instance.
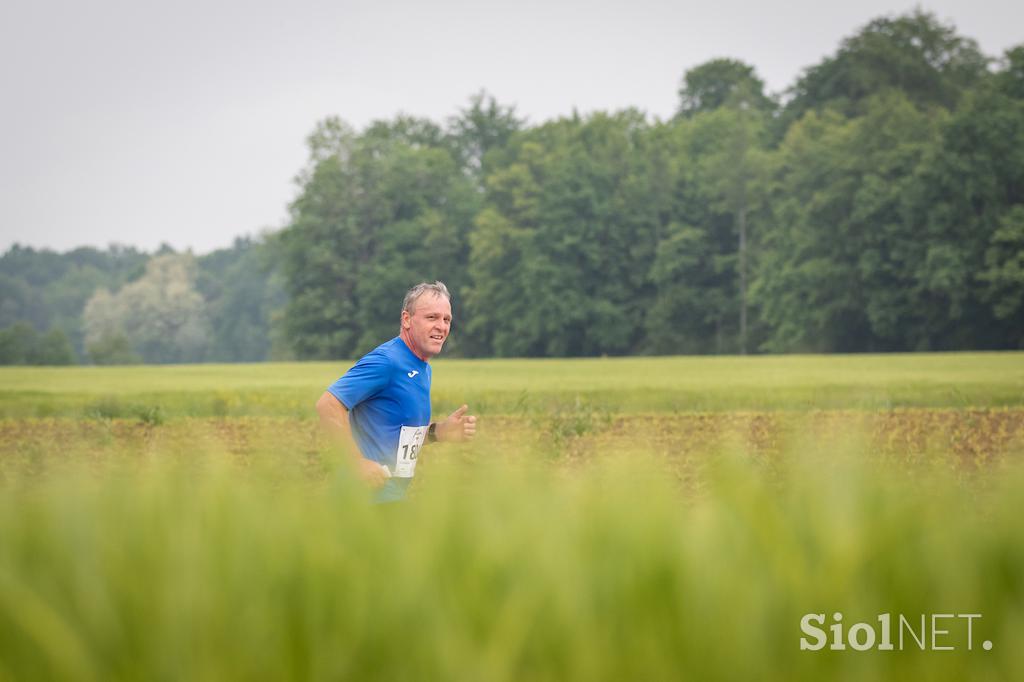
(387, 394)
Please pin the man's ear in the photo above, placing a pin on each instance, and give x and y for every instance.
(406, 319)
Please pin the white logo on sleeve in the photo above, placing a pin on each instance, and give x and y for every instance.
(413, 373)
(409, 443)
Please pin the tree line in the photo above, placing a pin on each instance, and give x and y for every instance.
(122, 306)
(876, 205)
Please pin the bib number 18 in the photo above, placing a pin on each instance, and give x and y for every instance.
(409, 443)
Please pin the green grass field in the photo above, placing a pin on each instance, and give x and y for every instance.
(504, 387)
(616, 519)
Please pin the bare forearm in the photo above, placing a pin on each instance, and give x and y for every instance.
(334, 421)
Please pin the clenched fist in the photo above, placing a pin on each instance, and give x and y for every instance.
(458, 426)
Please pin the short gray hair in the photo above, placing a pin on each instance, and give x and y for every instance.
(437, 288)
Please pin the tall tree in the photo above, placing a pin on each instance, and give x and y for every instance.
(702, 266)
(561, 251)
(1003, 277)
(161, 314)
(969, 196)
(482, 127)
(21, 344)
(914, 53)
(735, 174)
(722, 82)
(839, 271)
(1009, 79)
(377, 212)
(319, 250)
(242, 293)
(50, 289)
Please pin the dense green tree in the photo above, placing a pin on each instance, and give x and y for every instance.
(20, 301)
(693, 268)
(21, 344)
(113, 348)
(838, 272)
(242, 293)
(882, 208)
(726, 101)
(502, 246)
(409, 131)
(1003, 277)
(378, 212)
(686, 308)
(320, 318)
(16, 343)
(734, 173)
(49, 289)
(560, 254)
(161, 313)
(701, 268)
(1009, 80)
(55, 349)
(719, 83)
(966, 212)
(914, 54)
(481, 128)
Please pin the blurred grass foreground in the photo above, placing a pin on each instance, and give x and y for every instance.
(576, 543)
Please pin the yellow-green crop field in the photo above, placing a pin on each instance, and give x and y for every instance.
(615, 519)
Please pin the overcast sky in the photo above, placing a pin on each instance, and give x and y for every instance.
(141, 122)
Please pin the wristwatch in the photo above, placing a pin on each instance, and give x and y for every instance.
(432, 433)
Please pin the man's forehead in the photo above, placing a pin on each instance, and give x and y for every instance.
(431, 302)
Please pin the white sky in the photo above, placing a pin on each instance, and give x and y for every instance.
(143, 121)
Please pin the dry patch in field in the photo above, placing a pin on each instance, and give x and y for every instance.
(961, 439)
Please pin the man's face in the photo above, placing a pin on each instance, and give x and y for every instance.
(426, 329)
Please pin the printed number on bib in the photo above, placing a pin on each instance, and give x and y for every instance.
(409, 443)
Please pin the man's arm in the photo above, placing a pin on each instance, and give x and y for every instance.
(334, 420)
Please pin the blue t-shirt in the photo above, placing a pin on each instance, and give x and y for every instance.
(387, 395)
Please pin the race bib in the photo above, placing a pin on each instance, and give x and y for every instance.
(409, 443)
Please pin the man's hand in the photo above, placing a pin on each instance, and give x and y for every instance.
(372, 473)
(458, 426)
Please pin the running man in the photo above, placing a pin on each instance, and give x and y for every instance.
(379, 411)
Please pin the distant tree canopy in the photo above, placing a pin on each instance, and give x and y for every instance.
(719, 83)
(21, 344)
(121, 306)
(161, 313)
(924, 59)
(877, 205)
(376, 212)
(49, 290)
(877, 208)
